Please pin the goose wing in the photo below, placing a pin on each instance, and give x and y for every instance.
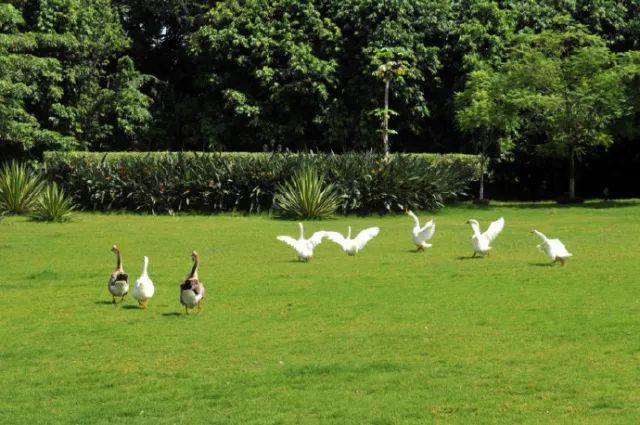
(494, 229)
(426, 233)
(295, 243)
(337, 238)
(365, 236)
(316, 238)
(118, 275)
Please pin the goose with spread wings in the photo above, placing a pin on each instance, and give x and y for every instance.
(481, 242)
(421, 235)
(352, 246)
(304, 247)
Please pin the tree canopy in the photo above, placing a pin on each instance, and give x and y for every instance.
(284, 74)
(570, 87)
(65, 79)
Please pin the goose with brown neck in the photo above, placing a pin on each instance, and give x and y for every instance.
(119, 280)
(192, 289)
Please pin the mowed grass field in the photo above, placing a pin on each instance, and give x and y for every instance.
(387, 337)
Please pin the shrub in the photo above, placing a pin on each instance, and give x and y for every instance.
(19, 188)
(169, 182)
(306, 196)
(53, 205)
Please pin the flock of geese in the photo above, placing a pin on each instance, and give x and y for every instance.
(192, 289)
(481, 241)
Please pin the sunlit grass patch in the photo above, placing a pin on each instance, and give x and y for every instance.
(389, 336)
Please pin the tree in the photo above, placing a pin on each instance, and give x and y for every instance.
(267, 70)
(374, 32)
(568, 86)
(56, 61)
(483, 113)
(483, 32)
(386, 72)
(159, 31)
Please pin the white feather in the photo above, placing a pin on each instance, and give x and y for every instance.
(189, 298)
(143, 289)
(304, 247)
(554, 248)
(352, 246)
(422, 235)
(481, 242)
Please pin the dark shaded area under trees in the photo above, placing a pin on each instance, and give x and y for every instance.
(275, 75)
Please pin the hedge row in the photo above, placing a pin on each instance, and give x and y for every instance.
(162, 182)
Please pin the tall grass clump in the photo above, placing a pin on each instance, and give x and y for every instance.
(53, 205)
(19, 188)
(306, 196)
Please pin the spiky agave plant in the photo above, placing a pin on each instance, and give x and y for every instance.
(306, 196)
(53, 205)
(19, 188)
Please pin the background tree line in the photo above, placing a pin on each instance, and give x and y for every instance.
(285, 74)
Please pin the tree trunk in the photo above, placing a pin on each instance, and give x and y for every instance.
(483, 159)
(572, 174)
(481, 190)
(385, 119)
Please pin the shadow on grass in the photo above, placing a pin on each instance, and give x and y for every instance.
(104, 303)
(293, 261)
(542, 264)
(131, 307)
(172, 314)
(470, 257)
(595, 204)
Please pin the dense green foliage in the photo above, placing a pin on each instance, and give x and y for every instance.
(284, 75)
(306, 196)
(386, 337)
(268, 68)
(563, 83)
(483, 111)
(65, 79)
(166, 182)
(19, 188)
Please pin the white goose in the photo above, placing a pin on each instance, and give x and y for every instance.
(421, 235)
(553, 248)
(304, 247)
(482, 241)
(143, 289)
(118, 280)
(352, 246)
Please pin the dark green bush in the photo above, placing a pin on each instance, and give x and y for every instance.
(169, 182)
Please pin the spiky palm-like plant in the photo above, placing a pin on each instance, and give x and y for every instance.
(53, 205)
(306, 196)
(19, 188)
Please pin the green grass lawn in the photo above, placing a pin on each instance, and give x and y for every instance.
(387, 337)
